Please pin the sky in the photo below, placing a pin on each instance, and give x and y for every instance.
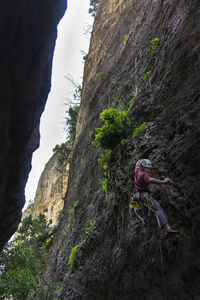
(67, 61)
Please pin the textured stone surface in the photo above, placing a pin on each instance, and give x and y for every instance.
(52, 186)
(27, 33)
(120, 259)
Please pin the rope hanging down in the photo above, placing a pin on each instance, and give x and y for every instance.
(164, 292)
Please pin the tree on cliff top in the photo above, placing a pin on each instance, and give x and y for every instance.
(71, 121)
(72, 112)
(93, 7)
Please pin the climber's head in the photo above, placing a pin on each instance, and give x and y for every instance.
(145, 164)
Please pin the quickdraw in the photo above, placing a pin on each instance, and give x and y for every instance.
(133, 203)
(134, 200)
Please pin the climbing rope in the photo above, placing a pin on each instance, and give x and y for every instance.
(135, 204)
(164, 291)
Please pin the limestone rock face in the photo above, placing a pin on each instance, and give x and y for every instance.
(27, 33)
(118, 258)
(52, 186)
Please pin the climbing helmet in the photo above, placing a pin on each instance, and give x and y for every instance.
(145, 163)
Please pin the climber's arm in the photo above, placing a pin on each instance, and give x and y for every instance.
(154, 180)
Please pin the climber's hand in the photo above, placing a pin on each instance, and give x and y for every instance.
(166, 180)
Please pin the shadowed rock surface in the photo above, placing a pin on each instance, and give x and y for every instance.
(120, 259)
(27, 32)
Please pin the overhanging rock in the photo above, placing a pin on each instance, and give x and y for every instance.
(28, 31)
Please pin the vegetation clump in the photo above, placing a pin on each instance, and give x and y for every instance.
(22, 260)
(67, 229)
(94, 4)
(74, 250)
(71, 121)
(146, 76)
(63, 150)
(117, 127)
(72, 255)
(72, 112)
(139, 130)
(105, 158)
(73, 207)
(155, 43)
(101, 75)
(104, 184)
(125, 39)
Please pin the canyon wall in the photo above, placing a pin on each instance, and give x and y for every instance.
(52, 186)
(101, 251)
(28, 31)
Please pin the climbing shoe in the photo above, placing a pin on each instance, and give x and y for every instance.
(173, 231)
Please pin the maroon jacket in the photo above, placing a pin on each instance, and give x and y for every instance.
(141, 181)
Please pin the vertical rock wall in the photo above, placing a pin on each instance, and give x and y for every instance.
(28, 32)
(119, 259)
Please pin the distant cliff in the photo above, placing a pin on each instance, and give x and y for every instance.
(148, 50)
(52, 185)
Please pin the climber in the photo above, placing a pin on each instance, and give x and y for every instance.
(142, 182)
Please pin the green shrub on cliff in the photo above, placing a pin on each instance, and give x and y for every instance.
(73, 254)
(104, 158)
(155, 43)
(125, 39)
(146, 76)
(104, 184)
(101, 75)
(74, 250)
(140, 130)
(117, 127)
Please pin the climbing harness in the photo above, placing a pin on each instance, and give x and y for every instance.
(142, 206)
(137, 203)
